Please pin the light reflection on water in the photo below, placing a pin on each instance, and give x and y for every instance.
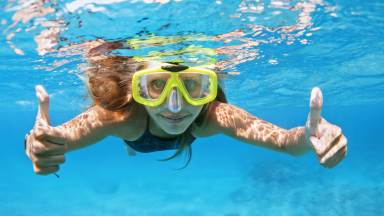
(276, 49)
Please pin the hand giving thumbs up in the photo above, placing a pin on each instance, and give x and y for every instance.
(326, 139)
(45, 145)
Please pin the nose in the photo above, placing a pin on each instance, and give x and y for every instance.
(175, 101)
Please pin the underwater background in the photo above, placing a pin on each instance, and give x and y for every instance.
(273, 51)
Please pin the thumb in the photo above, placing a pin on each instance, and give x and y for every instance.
(51, 134)
(316, 105)
(42, 117)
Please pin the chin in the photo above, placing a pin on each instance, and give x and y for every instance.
(175, 132)
(175, 129)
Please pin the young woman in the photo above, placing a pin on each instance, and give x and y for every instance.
(155, 106)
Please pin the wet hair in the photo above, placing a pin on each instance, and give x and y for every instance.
(109, 81)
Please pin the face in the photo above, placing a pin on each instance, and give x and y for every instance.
(175, 115)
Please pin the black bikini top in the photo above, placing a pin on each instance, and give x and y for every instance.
(150, 143)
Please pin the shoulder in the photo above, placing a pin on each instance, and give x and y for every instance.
(217, 114)
(127, 124)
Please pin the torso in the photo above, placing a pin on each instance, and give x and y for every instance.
(133, 127)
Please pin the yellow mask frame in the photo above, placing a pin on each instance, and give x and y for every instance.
(174, 82)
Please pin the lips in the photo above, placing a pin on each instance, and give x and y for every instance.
(174, 117)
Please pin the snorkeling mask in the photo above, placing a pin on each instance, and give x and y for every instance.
(151, 87)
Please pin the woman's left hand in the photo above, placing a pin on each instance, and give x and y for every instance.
(326, 139)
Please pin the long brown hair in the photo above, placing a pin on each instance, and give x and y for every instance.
(109, 84)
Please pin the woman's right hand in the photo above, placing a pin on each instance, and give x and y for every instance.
(45, 145)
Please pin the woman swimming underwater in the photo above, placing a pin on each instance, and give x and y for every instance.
(155, 106)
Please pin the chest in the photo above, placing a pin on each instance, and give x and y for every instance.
(136, 125)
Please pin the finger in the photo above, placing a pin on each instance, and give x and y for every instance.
(50, 161)
(41, 149)
(316, 105)
(334, 150)
(27, 144)
(318, 145)
(321, 147)
(51, 134)
(42, 117)
(335, 131)
(329, 136)
(45, 170)
(336, 159)
(340, 155)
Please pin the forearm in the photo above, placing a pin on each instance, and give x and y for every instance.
(291, 141)
(270, 136)
(295, 141)
(87, 128)
(242, 125)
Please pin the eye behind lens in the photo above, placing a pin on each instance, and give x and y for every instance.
(158, 84)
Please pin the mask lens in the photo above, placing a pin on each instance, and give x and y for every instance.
(196, 84)
(151, 86)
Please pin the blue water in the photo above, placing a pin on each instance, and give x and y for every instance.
(339, 49)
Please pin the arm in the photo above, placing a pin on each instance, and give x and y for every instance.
(46, 145)
(91, 126)
(239, 124)
(326, 139)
